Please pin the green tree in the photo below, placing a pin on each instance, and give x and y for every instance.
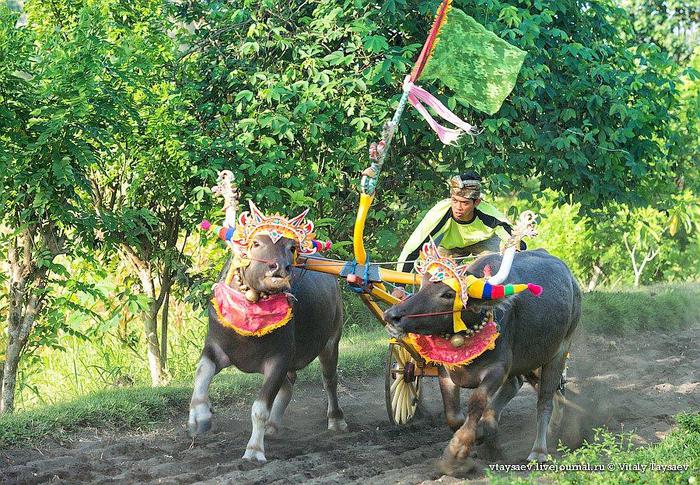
(673, 25)
(685, 145)
(292, 94)
(53, 115)
(147, 190)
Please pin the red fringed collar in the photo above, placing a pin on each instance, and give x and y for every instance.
(247, 318)
(437, 349)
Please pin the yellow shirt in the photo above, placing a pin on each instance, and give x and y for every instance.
(439, 224)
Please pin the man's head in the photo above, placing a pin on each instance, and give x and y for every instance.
(465, 195)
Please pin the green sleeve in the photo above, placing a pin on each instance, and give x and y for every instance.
(489, 209)
(424, 228)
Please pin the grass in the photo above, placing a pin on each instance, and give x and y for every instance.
(121, 408)
(362, 353)
(612, 453)
(657, 307)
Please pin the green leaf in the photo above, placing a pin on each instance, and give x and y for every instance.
(375, 43)
(244, 94)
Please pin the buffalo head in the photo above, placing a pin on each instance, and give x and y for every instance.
(450, 299)
(265, 248)
(430, 312)
(269, 270)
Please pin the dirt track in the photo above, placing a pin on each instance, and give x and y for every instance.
(636, 384)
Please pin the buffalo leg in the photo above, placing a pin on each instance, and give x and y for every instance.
(488, 426)
(557, 415)
(275, 373)
(280, 404)
(559, 400)
(550, 378)
(450, 400)
(461, 443)
(329, 368)
(200, 409)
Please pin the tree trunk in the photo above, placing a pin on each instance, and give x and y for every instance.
(9, 379)
(143, 269)
(27, 284)
(632, 251)
(156, 349)
(164, 331)
(155, 363)
(649, 256)
(22, 316)
(595, 277)
(142, 261)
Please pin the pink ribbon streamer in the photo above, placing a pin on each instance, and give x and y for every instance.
(417, 96)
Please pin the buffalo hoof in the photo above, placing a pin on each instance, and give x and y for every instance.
(198, 428)
(337, 424)
(538, 456)
(485, 432)
(252, 454)
(199, 421)
(271, 428)
(455, 422)
(455, 467)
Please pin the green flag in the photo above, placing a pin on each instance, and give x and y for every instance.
(476, 64)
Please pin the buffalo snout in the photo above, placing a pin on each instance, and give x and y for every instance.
(279, 269)
(393, 317)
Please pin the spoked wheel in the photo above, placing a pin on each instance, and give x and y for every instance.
(402, 386)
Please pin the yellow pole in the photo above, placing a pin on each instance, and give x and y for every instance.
(358, 234)
(391, 276)
(321, 265)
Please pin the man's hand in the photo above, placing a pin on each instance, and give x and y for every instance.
(399, 293)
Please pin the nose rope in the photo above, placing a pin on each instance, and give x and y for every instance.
(416, 315)
(261, 260)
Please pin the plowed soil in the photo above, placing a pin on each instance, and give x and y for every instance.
(632, 384)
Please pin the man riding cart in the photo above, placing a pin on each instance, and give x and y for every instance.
(463, 225)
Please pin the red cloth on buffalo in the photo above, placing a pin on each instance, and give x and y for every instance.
(437, 349)
(248, 318)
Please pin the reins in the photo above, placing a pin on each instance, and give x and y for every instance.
(416, 315)
(261, 260)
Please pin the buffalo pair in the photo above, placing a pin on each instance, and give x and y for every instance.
(535, 335)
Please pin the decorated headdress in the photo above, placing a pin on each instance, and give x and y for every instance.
(470, 189)
(443, 269)
(239, 233)
(465, 285)
(276, 226)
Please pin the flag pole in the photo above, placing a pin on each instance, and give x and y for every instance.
(378, 151)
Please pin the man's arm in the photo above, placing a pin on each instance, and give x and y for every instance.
(406, 265)
(494, 223)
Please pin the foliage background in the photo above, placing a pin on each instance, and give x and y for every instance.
(115, 117)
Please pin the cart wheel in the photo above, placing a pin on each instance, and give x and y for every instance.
(402, 387)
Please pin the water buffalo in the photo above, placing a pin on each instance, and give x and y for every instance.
(536, 334)
(314, 330)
